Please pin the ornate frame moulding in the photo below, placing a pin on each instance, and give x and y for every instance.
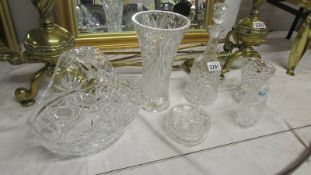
(9, 43)
(65, 16)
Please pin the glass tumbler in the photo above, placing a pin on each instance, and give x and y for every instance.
(252, 94)
(159, 34)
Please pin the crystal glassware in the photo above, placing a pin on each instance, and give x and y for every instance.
(252, 94)
(159, 34)
(202, 84)
(219, 14)
(114, 12)
(87, 22)
(140, 6)
(80, 17)
(187, 125)
(85, 107)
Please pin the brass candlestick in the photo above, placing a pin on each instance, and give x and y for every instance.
(249, 32)
(43, 44)
(302, 40)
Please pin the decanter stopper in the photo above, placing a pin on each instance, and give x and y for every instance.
(220, 11)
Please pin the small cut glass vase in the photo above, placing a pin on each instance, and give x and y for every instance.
(159, 34)
(251, 96)
(114, 12)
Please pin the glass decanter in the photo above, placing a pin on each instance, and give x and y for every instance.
(202, 84)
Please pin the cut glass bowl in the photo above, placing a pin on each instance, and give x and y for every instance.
(187, 125)
(86, 107)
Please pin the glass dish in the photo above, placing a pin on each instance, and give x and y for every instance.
(85, 107)
(187, 125)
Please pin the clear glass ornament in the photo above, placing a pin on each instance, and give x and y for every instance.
(87, 22)
(159, 34)
(114, 12)
(252, 94)
(220, 11)
(86, 107)
(140, 6)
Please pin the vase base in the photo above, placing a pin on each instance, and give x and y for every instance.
(157, 106)
(198, 98)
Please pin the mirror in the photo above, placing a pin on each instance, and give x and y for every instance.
(107, 23)
(95, 16)
(8, 39)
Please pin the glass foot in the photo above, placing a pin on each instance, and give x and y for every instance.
(156, 106)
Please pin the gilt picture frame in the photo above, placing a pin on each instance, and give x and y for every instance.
(65, 15)
(8, 39)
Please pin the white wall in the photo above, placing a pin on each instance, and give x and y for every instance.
(234, 6)
(25, 16)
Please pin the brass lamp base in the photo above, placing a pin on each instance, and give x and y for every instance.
(43, 44)
(244, 52)
(27, 96)
(249, 32)
(300, 46)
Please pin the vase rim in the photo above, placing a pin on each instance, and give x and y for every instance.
(185, 27)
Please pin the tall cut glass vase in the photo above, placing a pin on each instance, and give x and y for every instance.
(159, 34)
(114, 12)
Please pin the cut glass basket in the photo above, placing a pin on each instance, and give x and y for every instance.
(86, 107)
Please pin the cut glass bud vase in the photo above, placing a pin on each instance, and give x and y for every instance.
(159, 34)
(85, 107)
(252, 94)
(114, 11)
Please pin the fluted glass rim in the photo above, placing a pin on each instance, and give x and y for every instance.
(185, 27)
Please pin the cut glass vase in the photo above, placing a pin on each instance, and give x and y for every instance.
(159, 34)
(114, 11)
